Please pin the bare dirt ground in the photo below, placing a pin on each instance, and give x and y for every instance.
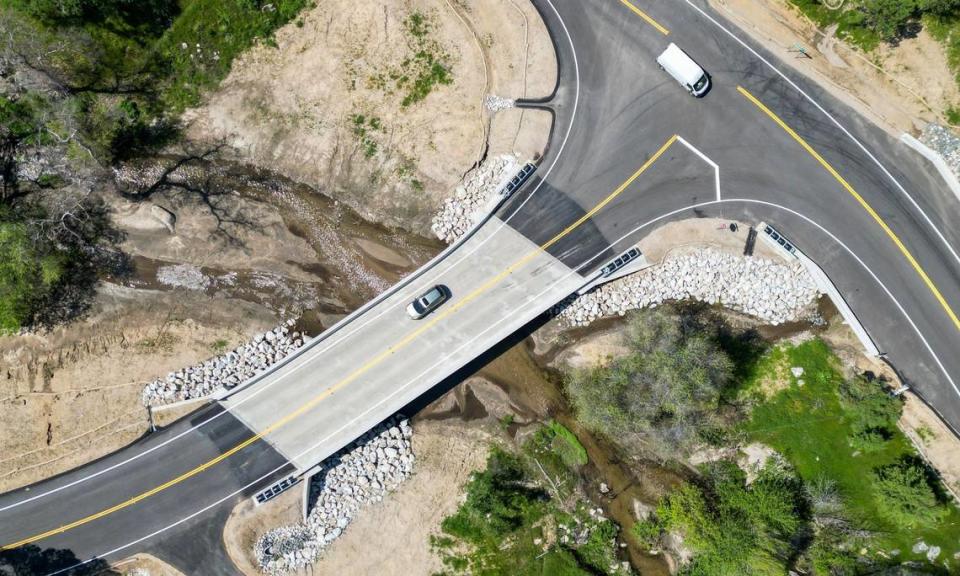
(73, 395)
(447, 452)
(702, 233)
(326, 106)
(145, 565)
(901, 88)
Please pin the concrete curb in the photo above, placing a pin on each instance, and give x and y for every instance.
(936, 159)
(827, 287)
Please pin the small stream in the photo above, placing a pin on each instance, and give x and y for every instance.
(356, 259)
(635, 484)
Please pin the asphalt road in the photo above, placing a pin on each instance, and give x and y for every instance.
(616, 114)
(626, 108)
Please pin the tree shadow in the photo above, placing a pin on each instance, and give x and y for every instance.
(31, 560)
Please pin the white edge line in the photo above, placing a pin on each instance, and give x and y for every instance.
(614, 243)
(705, 158)
(916, 206)
(277, 366)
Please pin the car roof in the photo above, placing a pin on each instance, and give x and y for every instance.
(684, 66)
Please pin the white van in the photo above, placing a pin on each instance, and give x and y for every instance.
(684, 70)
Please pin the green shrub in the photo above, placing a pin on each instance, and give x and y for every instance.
(734, 528)
(871, 411)
(667, 389)
(498, 499)
(500, 528)
(907, 494)
(647, 533)
(888, 18)
(20, 277)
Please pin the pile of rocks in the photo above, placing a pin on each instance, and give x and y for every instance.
(226, 371)
(498, 103)
(772, 292)
(944, 143)
(377, 463)
(472, 198)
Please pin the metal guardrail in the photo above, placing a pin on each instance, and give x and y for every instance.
(778, 239)
(275, 490)
(620, 261)
(517, 181)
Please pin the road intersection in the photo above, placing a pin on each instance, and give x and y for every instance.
(630, 151)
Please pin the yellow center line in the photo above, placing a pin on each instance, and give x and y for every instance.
(359, 371)
(866, 206)
(643, 15)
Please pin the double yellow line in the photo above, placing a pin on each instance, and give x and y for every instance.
(393, 349)
(863, 203)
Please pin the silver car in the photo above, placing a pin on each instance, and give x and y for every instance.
(428, 301)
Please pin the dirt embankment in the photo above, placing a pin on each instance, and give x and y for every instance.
(344, 103)
(900, 87)
(74, 394)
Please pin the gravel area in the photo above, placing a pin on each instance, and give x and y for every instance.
(473, 196)
(945, 143)
(225, 371)
(362, 473)
(773, 292)
(496, 103)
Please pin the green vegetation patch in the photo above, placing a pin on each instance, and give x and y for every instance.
(867, 23)
(129, 68)
(203, 41)
(20, 277)
(843, 434)
(512, 522)
(427, 66)
(666, 393)
(365, 129)
(731, 526)
(563, 443)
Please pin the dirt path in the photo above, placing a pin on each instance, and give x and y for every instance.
(900, 88)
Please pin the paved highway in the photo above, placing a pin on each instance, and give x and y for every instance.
(873, 215)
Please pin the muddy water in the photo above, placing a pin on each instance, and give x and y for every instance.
(635, 484)
(535, 395)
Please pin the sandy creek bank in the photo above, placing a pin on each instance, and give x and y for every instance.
(278, 250)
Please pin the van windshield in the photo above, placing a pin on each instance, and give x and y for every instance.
(700, 83)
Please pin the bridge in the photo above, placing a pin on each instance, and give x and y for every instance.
(629, 151)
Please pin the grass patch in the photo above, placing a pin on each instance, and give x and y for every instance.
(364, 129)
(563, 443)
(208, 35)
(852, 23)
(427, 66)
(219, 346)
(821, 428)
